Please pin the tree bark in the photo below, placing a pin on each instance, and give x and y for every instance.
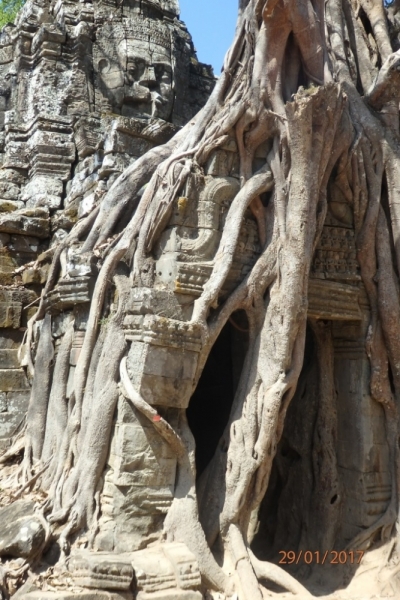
(297, 79)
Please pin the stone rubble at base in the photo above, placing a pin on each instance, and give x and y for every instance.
(86, 89)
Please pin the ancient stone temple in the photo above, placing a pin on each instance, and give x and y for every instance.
(86, 89)
(199, 311)
(339, 317)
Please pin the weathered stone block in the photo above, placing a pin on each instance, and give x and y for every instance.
(9, 359)
(10, 260)
(142, 457)
(166, 391)
(88, 133)
(22, 532)
(334, 301)
(10, 315)
(82, 595)
(170, 566)
(35, 275)
(147, 301)
(115, 163)
(7, 430)
(171, 595)
(3, 402)
(24, 243)
(22, 224)
(43, 191)
(18, 401)
(11, 176)
(7, 206)
(363, 514)
(5, 278)
(68, 293)
(16, 155)
(9, 190)
(13, 380)
(47, 33)
(10, 338)
(102, 571)
(162, 371)
(41, 199)
(4, 239)
(7, 262)
(122, 143)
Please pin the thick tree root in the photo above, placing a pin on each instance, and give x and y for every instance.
(17, 446)
(57, 412)
(269, 572)
(37, 412)
(161, 425)
(314, 134)
(182, 523)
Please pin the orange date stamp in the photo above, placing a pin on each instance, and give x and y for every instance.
(330, 557)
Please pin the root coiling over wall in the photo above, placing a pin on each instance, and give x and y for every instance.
(299, 78)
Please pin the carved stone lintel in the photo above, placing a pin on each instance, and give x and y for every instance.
(333, 301)
(101, 571)
(165, 571)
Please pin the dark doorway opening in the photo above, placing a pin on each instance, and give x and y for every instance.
(283, 511)
(211, 403)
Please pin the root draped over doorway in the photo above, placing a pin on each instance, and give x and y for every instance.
(293, 79)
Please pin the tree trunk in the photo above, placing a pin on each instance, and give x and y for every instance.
(296, 83)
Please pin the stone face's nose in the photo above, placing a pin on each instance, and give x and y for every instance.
(149, 77)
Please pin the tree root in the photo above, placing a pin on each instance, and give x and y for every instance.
(270, 572)
(242, 565)
(259, 183)
(127, 187)
(311, 136)
(251, 570)
(57, 413)
(80, 486)
(37, 411)
(32, 481)
(160, 424)
(385, 524)
(182, 523)
(18, 444)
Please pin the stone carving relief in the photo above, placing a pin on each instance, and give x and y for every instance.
(338, 299)
(85, 89)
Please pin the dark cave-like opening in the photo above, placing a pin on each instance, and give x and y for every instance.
(282, 512)
(211, 403)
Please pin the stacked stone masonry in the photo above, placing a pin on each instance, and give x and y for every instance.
(86, 88)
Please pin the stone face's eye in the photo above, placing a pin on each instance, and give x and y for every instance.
(103, 65)
(136, 68)
(163, 73)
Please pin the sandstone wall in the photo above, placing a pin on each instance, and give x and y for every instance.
(85, 89)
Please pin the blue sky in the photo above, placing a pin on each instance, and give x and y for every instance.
(212, 25)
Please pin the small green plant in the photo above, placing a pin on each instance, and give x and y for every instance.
(104, 321)
(9, 10)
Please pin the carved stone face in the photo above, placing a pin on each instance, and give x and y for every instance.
(7, 82)
(148, 78)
